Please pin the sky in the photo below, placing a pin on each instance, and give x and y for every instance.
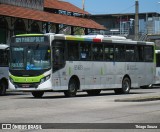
(117, 6)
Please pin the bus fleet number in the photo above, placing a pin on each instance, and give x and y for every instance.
(78, 67)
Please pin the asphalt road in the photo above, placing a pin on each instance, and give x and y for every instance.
(18, 107)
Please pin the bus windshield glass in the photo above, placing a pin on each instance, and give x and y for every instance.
(31, 57)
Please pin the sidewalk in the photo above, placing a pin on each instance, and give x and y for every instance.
(140, 98)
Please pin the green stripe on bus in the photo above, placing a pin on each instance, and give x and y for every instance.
(26, 79)
(23, 35)
(74, 38)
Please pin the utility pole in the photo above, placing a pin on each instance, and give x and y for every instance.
(83, 3)
(136, 20)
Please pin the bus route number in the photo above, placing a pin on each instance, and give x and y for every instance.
(78, 67)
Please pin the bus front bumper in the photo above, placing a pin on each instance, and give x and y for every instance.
(45, 86)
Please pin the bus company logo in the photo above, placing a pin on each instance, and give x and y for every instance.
(6, 126)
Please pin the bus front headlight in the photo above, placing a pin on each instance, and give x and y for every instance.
(44, 79)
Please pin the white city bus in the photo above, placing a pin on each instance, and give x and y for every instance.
(57, 62)
(3, 68)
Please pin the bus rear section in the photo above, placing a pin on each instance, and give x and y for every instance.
(4, 50)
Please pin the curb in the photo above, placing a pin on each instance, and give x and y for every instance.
(139, 99)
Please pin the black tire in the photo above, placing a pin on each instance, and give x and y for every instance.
(145, 87)
(93, 92)
(72, 89)
(126, 86)
(37, 94)
(3, 87)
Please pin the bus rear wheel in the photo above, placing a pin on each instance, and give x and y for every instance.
(3, 88)
(37, 94)
(72, 89)
(93, 92)
(126, 86)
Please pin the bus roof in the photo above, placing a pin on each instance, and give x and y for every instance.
(91, 38)
(100, 38)
(3, 46)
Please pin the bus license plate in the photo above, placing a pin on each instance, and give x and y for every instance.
(25, 85)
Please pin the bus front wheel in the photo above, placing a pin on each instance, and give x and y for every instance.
(37, 94)
(3, 87)
(126, 86)
(72, 89)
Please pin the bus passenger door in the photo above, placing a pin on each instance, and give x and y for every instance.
(141, 68)
(87, 64)
(145, 65)
(131, 67)
(109, 66)
(149, 64)
(58, 64)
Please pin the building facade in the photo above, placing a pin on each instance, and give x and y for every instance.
(42, 16)
(123, 24)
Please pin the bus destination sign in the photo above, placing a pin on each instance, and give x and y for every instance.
(36, 39)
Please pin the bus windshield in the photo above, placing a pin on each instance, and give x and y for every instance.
(31, 57)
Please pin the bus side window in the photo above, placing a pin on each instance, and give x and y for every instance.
(148, 51)
(58, 55)
(108, 52)
(85, 51)
(97, 51)
(3, 57)
(158, 60)
(140, 54)
(6, 57)
(73, 50)
(130, 53)
(119, 53)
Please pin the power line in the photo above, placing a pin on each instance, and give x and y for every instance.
(127, 9)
